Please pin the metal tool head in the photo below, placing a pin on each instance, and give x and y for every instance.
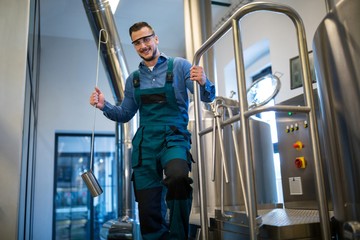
(92, 183)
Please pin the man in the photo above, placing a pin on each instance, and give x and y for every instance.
(161, 160)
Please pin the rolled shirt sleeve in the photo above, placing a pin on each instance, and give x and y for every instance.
(207, 91)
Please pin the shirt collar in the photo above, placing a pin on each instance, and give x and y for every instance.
(162, 58)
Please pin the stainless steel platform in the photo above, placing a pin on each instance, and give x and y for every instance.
(290, 224)
(272, 224)
(286, 217)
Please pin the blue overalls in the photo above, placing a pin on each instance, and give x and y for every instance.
(161, 147)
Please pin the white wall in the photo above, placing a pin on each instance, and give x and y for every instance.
(13, 50)
(279, 30)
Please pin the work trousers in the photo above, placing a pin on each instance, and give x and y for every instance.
(164, 195)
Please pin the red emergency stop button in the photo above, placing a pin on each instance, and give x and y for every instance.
(298, 145)
(300, 162)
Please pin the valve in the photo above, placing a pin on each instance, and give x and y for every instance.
(298, 145)
(300, 162)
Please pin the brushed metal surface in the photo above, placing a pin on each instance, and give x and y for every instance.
(233, 23)
(291, 224)
(265, 174)
(278, 223)
(336, 48)
(288, 156)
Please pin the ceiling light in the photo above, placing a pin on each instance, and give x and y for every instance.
(113, 5)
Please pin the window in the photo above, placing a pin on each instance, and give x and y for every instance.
(76, 214)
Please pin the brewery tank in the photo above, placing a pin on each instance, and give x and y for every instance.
(336, 47)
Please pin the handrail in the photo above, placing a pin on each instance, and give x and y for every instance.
(233, 23)
(254, 111)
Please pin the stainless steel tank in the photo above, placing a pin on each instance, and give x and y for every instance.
(336, 48)
(232, 193)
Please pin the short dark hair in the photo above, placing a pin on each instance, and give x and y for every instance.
(139, 25)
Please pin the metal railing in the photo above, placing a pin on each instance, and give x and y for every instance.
(233, 24)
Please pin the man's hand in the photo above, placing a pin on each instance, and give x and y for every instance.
(97, 99)
(197, 74)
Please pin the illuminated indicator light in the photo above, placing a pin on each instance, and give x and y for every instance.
(298, 145)
(300, 162)
(290, 113)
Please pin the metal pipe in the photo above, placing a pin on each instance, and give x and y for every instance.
(194, 37)
(232, 23)
(309, 99)
(217, 124)
(244, 123)
(199, 153)
(213, 150)
(237, 155)
(221, 142)
(128, 197)
(329, 4)
(100, 17)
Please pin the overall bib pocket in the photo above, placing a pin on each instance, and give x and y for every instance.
(136, 151)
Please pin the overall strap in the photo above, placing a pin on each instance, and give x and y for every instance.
(169, 73)
(136, 79)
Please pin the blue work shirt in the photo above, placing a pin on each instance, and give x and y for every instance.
(156, 78)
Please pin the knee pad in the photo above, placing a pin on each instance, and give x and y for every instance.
(177, 180)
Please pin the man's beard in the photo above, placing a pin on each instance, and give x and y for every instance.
(149, 59)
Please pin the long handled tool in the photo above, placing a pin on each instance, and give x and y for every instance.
(88, 176)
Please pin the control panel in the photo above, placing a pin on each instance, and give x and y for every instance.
(296, 160)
